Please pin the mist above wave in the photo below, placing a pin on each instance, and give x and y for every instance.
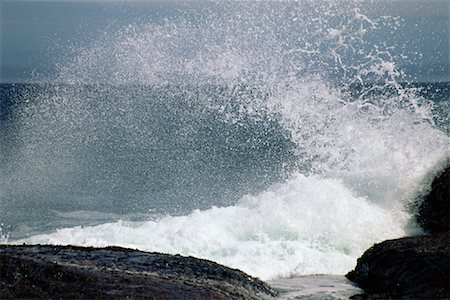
(293, 103)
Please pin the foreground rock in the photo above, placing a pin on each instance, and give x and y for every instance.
(112, 272)
(434, 211)
(411, 267)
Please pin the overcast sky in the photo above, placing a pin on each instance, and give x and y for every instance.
(36, 34)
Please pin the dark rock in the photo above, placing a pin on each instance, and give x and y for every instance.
(434, 211)
(411, 267)
(56, 272)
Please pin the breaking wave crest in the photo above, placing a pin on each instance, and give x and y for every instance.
(292, 113)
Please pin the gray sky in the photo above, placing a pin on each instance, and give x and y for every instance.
(36, 34)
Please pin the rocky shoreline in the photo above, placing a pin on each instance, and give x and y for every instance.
(415, 267)
(69, 272)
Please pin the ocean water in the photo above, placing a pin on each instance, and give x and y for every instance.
(278, 138)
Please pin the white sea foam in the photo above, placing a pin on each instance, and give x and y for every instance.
(307, 225)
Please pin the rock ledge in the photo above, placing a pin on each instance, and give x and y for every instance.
(412, 267)
(35, 271)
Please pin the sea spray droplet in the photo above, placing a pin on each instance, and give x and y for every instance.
(272, 137)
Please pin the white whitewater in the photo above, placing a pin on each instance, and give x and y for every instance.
(365, 157)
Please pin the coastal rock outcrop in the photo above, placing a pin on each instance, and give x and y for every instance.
(434, 211)
(54, 272)
(411, 267)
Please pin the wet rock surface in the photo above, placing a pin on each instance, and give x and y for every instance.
(411, 267)
(35, 271)
(434, 211)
